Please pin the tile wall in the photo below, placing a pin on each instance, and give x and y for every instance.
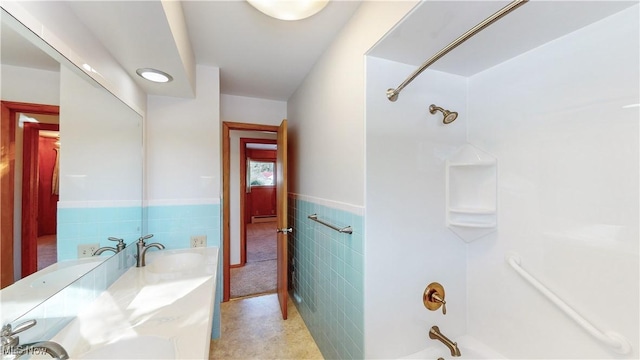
(326, 279)
(87, 225)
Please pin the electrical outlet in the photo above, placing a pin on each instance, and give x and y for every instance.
(87, 250)
(198, 241)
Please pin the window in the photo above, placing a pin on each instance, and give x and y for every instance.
(261, 173)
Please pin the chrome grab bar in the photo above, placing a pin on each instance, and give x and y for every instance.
(615, 340)
(346, 230)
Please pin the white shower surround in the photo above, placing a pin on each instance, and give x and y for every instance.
(568, 171)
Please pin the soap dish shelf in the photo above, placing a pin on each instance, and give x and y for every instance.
(471, 193)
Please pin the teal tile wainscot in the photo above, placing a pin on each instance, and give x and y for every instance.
(327, 275)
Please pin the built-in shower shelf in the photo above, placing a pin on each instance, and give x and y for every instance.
(472, 211)
(479, 163)
(471, 194)
(479, 225)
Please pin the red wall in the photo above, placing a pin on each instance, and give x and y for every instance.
(47, 202)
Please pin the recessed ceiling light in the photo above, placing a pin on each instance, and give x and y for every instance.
(154, 75)
(289, 9)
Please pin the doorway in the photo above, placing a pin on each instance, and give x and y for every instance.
(40, 193)
(281, 207)
(253, 267)
(12, 164)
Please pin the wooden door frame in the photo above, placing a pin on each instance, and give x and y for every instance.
(8, 112)
(227, 126)
(243, 202)
(30, 164)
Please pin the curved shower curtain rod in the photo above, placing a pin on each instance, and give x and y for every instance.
(392, 94)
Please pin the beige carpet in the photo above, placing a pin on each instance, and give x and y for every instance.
(258, 275)
(47, 251)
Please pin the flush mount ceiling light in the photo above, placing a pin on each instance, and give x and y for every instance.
(154, 75)
(289, 9)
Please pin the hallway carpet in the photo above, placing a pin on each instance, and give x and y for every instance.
(258, 275)
(47, 251)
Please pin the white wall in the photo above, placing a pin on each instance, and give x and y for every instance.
(568, 158)
(101, 151)
(183, 144)
(30, 85)
(408, 245)
(252, 110)
(326, 113)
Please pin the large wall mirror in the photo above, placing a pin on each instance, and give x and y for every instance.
(71, 160)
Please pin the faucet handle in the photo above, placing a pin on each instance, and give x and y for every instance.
(8, 338)
(433, 297)
(121, 245)
(437, 298)
(20, 328)
(143, 238)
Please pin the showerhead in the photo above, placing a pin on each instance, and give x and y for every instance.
(449, 116)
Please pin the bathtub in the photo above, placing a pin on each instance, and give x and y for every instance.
(470, 348)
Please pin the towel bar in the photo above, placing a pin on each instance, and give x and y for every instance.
(346, 230)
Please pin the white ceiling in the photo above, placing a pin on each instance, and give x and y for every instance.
(434, 24)
(267, 58)
(258, 56)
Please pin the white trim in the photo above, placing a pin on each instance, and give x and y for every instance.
(98, 204)
(177, 202)
(355, 209)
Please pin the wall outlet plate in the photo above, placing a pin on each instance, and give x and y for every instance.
(87, 250)
(198, 241)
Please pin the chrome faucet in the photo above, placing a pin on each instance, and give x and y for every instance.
(142, 249)
(11, 343)
(435, 334)
(121, 245)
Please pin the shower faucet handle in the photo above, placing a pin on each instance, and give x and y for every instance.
(437, 298)
(433, 297)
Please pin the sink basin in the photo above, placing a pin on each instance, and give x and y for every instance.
(140, 347)
(63, 276)
(175, 263)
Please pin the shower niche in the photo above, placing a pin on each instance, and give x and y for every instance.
(471, 193)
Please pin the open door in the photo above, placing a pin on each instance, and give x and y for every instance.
(283, 228)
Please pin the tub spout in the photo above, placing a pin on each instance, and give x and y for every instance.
(435, 334)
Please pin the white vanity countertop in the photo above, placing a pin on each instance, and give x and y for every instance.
(29, 292)
(162, 310)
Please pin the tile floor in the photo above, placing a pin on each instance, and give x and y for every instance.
(252, 328)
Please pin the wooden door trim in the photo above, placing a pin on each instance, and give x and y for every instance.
(30, 163)
(8, 111)
(227, 126)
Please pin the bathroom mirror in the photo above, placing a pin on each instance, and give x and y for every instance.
(96, 169)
